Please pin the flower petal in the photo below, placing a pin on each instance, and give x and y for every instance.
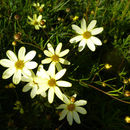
(60, 74)
(58, 93)
(43, 94)
(21, 53)
(58, 48)
(11, 55)
(47, 53)
(83, 25)
(97, 31)
(70, 118)
(81, 110)
(63, 114)
(34, 91)
(51, 95)
(26, 71)
(27, 87)
(8, 73)
(77, 29)
(58, 66)
(76, 117)
(31, 65)
(63, 83)
(96, 41)
(82, 45)
(91, 45)
(66, 100)
(6, 63)
(46, 61)
(51, 70)
(50, 48)
(29, 56)
(39, 18)
(91, 25)
(63, 53)
(63, 61)
(76, 39)
(17, 77)
(80, 102)
(62, 106)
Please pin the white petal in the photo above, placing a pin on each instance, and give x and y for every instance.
(58, 66)
(63, 61)
(60, 74)
(96, 41)
(30, 18)
(34, 91)
(77, 29)
(11, 55)
(97, 31)
(63, 53)
(26, 71)
(66, 100)
(21, 53)
(17, 77)
(70, 118)
(63, 114)
(91, 25)
(27, 87)
(83, 25)
(37, 27)
(63, 83)
(43, 94)
(81, 110)
(58, 93)
(58, 48)
(80, 102)
(51, 70)
(29, 56)
(62, 106)
(26, 78)
(82, 45)
(46, 61)
(50, 48)
(42, 89)
(47, 53)
(91, 45)
(34, 16)
(51, 95)
(6, 63)
(76, 39)
(31, 65)
(76, 117)
(39, 18)
(8, 73)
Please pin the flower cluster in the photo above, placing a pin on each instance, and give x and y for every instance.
(49, 82)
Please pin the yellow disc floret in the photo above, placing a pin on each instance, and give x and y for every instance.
(19, 64)
(55, 58)
(52, 82)
(71, 107)
(87, 35)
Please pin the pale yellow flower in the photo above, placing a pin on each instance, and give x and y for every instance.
(71, 110)
(37, 21)
(32, 84)
(50, 80)
(18, 66)
(55, 57)
(86, 35)
(38, 6)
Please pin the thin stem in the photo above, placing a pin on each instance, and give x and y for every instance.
(30, 44)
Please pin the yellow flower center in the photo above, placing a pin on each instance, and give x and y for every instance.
(55, 58)
(52, 82)
(71, 107)
(87, 35)
(19, 64)
(35, 22)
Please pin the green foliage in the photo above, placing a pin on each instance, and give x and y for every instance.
(19, 112)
